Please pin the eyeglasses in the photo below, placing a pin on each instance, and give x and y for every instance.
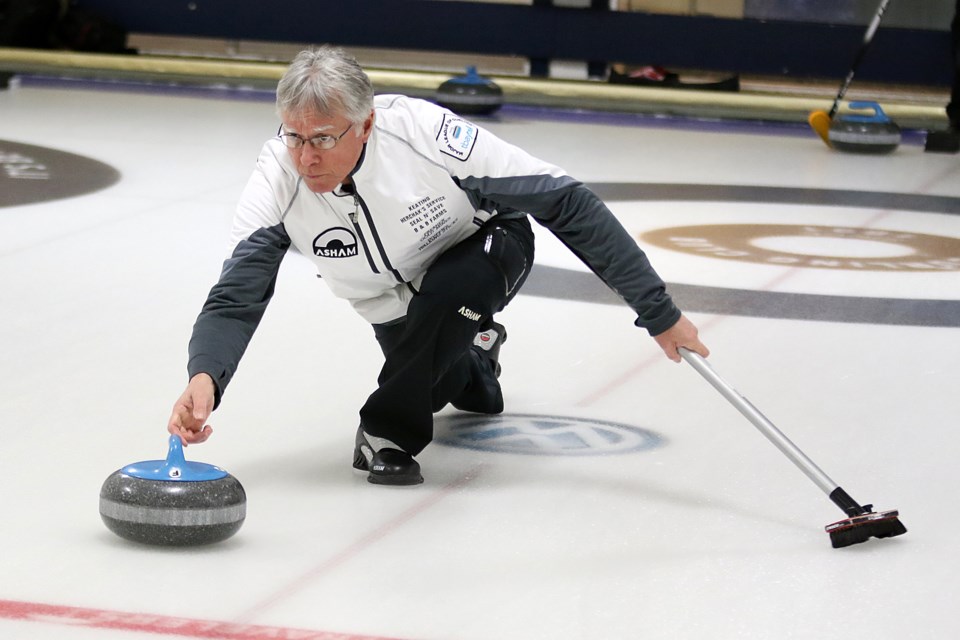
(323, 141)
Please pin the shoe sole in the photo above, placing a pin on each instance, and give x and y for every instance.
(394, 481)
(360, 463)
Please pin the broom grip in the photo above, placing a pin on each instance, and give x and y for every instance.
(861, 53)
(761, 422)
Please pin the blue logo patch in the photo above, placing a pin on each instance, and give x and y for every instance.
(457, 137)
(534, 434)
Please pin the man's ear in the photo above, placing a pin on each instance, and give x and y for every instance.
(368, 126)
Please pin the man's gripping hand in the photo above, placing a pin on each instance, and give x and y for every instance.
(192, 409)
(682, 334)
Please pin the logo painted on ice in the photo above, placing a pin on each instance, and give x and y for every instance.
(338, 242)
(31, 174)
(545, 435)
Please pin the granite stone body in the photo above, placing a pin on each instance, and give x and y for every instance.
(170, 512)
(470, 94)
(874, 133)
(172, 501)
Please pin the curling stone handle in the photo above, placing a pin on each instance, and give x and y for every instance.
(175, 459)
(760, 421)
(876, 114)
(866, 104)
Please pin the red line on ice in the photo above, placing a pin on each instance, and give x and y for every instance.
(67, 616)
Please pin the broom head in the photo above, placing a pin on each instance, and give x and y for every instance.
(820, 122)
(861, 528)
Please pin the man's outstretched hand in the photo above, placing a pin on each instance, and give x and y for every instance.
(192, 409)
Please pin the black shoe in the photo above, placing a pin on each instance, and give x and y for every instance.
(945, 141)
(386, 466)
(484, 395)
(488, 344)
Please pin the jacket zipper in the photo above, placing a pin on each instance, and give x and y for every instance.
(356, 225)
(359, 204)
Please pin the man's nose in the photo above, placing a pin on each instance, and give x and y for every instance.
(309, 154)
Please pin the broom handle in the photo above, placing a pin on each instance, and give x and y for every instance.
(760, 421)
(861, 52)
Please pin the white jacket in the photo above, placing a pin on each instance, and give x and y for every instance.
(426, 180)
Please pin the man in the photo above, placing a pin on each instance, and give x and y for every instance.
(953, 108)
(948, 140)
(420, 219)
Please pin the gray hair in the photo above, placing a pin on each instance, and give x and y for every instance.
(326, 80)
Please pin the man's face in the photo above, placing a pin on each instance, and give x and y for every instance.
(323, 169)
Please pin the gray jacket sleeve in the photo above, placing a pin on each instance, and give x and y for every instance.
(589, 229)
(235, 306)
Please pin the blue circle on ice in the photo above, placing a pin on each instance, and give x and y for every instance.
(545, 435)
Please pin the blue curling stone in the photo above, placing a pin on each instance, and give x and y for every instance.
(869, 131)
(172, 502)
(470, 94)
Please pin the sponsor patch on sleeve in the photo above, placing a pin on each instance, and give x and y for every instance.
(457, 137)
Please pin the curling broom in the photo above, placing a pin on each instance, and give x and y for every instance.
(820, 120)
(862, 522)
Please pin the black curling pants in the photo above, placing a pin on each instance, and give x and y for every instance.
(428, 356)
